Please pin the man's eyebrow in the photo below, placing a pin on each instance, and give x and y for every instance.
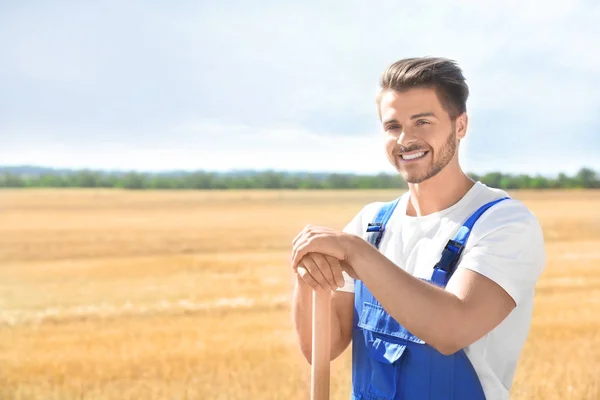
(424, 114)
(390, 121)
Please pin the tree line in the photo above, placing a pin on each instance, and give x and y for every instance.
(584, 178)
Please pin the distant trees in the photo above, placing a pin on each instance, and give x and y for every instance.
(584, 178)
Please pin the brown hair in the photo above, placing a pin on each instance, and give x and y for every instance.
(441, 74)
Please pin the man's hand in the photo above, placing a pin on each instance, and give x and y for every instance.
(320, 271)
(318, 262)
(319, 255)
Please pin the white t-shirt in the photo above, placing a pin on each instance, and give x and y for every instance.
(506, 245)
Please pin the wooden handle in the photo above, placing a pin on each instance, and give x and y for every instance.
(321, 345)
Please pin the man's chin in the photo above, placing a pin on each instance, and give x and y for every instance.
(414, 179)
(409, 177)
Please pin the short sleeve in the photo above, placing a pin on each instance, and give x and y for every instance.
(506, 245)
(348, 284)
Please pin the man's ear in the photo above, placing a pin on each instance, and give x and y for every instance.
(462, 121)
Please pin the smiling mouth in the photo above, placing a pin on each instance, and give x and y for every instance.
(413, 156)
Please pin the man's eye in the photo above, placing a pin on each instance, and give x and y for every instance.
(393, 127)
(422, 122)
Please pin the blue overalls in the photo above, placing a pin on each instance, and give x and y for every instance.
(390, 363)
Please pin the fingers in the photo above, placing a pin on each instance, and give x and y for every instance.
(299, 235)
(315, 273)
(300, 245)
(336, 270)
(321, 271)
(306, 231)
(299, 252)
(326, 269)
(309, 231)
(307, 277)
(317, 243)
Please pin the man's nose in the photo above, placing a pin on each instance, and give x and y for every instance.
(405, 137)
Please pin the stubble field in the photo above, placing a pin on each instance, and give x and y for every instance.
(108, 294)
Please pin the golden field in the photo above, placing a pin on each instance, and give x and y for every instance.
(109, 294)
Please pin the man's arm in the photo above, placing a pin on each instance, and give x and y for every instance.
(342, 312)
(503, 265)
(491, 277)
(448, 320)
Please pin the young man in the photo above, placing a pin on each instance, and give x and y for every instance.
(434, 290)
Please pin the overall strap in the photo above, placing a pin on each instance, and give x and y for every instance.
(376, 228)
(452, 251)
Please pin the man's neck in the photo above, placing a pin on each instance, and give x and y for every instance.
(439, 192)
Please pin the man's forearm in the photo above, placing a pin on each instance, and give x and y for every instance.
(427, 311)
(302, 314)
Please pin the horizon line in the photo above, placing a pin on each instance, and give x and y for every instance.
(261, 170)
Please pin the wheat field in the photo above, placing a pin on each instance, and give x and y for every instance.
(110, 294)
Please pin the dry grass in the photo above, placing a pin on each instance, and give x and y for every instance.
(185, 295)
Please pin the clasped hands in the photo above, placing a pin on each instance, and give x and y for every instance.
(320, 254)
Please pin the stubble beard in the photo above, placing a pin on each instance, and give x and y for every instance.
(446, 153)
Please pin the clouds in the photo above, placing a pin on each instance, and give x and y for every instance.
(135, 73)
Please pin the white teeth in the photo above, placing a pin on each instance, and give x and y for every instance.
(412, 156)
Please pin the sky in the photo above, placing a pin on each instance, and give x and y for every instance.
(228, 85)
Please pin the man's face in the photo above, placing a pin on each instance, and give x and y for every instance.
(421, 138)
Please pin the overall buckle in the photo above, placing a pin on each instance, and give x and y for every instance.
(450, 256)
(374, 227)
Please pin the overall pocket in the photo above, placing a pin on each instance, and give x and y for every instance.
(375, 319)
(385, 344)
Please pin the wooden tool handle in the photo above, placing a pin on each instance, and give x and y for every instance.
(321, 345)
